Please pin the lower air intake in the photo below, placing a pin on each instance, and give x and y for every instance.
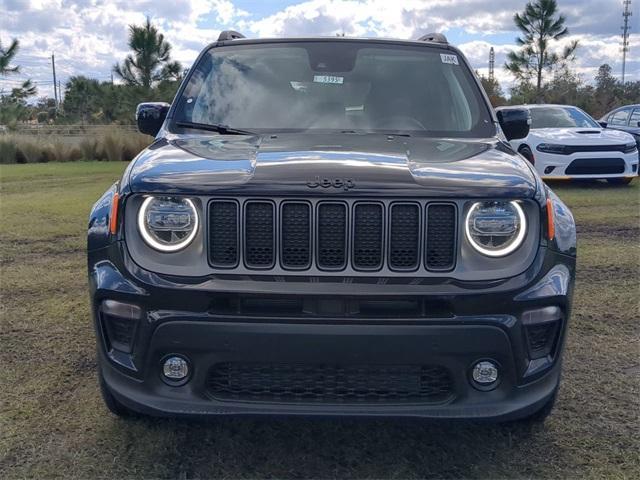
(303, 383)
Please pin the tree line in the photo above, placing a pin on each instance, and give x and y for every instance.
(542, 75)
(147, 74)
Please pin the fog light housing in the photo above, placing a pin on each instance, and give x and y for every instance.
(175, 370)
(485, 373)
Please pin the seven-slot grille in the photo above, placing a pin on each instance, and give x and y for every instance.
(331, 235)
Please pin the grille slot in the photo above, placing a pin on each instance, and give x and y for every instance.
(367, 236)
(404, 236)
(332, 235)
(290, 382)
(441, 237)
(259, 234)
(296, 235)
(223, 233)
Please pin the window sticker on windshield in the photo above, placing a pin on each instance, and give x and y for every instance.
(328, 79)
(449, 58)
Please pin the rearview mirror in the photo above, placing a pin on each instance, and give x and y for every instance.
(150, 117)
(603, 124)
(514, 122)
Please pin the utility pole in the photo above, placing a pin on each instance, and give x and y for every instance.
(492, 64)
(625, 35)
(55, 92)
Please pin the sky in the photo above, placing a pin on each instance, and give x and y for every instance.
(89, 36)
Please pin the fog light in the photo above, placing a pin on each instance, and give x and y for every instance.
(175, 369)
(485, 373)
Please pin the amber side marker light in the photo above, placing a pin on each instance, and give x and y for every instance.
(551, 228)
(113, 216)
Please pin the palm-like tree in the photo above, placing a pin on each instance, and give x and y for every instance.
(6, 56)
(25, 90)
(151, 59)
(540, 24)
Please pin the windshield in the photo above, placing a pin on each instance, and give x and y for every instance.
(343, 86)
(561, 117)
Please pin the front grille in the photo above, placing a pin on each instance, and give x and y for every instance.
(441, 236)
(367, 236)
(296, 235)
(595, 166)
(259, 234)
(307, 383)
(326, 236)
(404, 242)
(332, 235)
(570, 149)
(223, 233)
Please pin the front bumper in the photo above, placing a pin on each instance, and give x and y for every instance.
(587, 165)
(479, 322)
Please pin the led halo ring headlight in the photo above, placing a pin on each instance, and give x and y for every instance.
(495, 228)
(167, 223)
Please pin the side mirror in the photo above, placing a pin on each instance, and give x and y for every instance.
(514, 122)
(638, 124)
(150, 117)
(603, 124)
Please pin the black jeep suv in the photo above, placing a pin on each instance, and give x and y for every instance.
(331, 226)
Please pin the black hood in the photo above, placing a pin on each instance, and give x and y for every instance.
(309, 164)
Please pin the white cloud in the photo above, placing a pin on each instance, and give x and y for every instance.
(89, 36)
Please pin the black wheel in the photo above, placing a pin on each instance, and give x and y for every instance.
(110, 401)
(620, 181)
(526, 152)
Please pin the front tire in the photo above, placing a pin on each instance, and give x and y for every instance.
(112, 402)
(620, 181)
(526, 152)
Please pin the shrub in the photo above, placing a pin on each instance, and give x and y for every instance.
(112, 148)
(74, 155)
(113, 144)
(8, 150)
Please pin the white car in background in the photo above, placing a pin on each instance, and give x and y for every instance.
(564, 142)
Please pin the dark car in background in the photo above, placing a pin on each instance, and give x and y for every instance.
(331, 226)
(625, 118)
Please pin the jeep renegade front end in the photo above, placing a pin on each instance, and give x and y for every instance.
(331, 226)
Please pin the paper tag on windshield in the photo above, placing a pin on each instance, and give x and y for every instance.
(328, 79)
(449, 58)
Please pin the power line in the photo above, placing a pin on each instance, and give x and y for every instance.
(626, 13)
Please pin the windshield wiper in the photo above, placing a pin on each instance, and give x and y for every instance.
(212, 127)
(383, 132)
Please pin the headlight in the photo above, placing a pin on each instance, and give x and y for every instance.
(552, 148)
(630, 147)
(495, 228)
(168, 224)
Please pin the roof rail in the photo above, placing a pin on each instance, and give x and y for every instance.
(433, 37)
(230, 35)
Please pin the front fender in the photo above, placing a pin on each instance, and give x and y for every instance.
(564, 240)
(98, 235)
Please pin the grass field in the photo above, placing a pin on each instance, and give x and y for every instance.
(53, 423)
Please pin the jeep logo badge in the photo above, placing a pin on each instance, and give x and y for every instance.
(345, 183)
